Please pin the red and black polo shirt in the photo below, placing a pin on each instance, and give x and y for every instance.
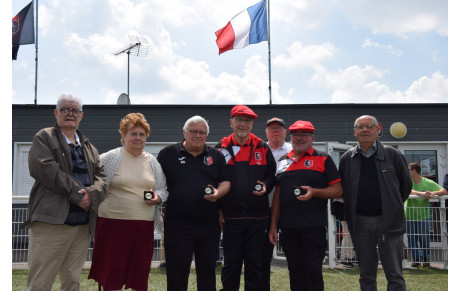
(247, 164)
(315, 169)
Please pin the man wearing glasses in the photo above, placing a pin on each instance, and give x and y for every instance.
(68, 188)
(376, 182)
(245, 209)
(197, 177)
(305, 180)
(275, 130)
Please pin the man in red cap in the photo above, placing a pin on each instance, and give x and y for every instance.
(244, 210)
(305, 180)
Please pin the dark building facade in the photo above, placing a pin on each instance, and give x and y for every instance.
(426, 138)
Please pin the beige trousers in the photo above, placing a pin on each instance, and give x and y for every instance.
(56, 249)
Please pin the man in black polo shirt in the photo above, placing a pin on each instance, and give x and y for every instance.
(376, 182)
(191, 216)
(305, 180)
(245, 208)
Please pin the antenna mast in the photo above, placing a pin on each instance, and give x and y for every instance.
(138, 46)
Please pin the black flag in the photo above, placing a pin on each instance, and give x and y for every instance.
(23, 28)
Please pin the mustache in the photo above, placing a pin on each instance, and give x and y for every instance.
(299, 143)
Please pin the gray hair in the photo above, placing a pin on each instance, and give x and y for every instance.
(376, 123)
(69, 97)
(196, 119)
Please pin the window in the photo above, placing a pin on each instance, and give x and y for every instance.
(427, 160)
(22, 181)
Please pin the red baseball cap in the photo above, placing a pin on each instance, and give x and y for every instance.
(243, 110)
(301, 125)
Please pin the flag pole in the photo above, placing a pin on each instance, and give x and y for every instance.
(36, 49)
(269, 55)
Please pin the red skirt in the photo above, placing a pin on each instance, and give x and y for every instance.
(122, 253)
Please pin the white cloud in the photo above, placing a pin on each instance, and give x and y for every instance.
(127, 15)
(110, 96)
(388, 48)
(398, 17)
(21, 65)
(300, 56)
(161, 47)
(157, 98)
(45, 19)
(307, 14)
(96, 46)
(428, 89)
(360, 85)
(193, 81)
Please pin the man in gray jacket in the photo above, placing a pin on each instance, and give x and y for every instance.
(375, 182)
(69, 185)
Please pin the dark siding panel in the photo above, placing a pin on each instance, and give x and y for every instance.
(333, 122)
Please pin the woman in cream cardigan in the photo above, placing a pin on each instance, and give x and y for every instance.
(123, 245)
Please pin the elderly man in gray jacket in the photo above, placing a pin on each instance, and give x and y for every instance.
(69, 185)
(375, 182)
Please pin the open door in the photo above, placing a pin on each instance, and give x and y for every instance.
(336, 150)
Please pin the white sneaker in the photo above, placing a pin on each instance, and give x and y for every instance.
(405, 264)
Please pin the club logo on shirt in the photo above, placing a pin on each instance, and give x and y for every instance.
(182, 160)
(258, 156)
(208, 161)
(308, 163)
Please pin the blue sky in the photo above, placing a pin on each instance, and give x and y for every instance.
(334, 51)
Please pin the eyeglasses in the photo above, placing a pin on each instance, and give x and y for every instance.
(368, 126)
(301, 134)
(242, 120)
(136, 134)
(196, 132)
(75, 112)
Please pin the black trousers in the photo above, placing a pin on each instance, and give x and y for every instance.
(182, 240)
(243, 241)
(304, 249)
(267, 256)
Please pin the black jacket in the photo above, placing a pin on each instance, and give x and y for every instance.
(240, 202)
(395, 186)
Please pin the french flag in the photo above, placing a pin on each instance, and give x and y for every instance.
(247, 27)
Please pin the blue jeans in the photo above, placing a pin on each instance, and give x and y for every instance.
(418, 237)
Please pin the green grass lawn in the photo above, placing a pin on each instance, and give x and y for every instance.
(334, 279)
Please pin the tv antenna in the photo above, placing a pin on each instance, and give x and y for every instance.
(138, 46)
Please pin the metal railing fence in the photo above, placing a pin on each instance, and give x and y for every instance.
(428, 237)
(432, 238)
(20, 242)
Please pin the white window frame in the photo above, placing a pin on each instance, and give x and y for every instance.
(441, 148)
(22, 181)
